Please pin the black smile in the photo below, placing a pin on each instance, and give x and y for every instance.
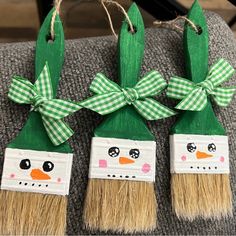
(32, 184)
(122, 176)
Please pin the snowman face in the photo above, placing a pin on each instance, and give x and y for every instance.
(122, 159)
(199, 154)
(36, 171)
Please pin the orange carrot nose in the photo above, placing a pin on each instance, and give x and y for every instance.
(125, 160)
(201, 155)
(39, 175)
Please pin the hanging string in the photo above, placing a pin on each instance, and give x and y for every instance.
(109, 16)
(173, 24)
(57, 4)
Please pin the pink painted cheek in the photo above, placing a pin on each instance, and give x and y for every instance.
(12, 176)
(59, 180)
(146, 168)
(183, 158)
(222, 159)
(102, 163)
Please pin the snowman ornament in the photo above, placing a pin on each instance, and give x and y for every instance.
(199, 150)
(123, 150)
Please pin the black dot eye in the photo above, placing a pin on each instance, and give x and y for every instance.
(25, 164)
(48, 166)
(114, 151)
(191, 147)
(211, 147)
(134, 153)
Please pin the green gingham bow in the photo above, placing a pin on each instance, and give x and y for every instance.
(111, 97)
(40, 96)
(194, 96)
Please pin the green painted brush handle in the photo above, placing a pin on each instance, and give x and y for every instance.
(130, 56)
(50, 51)
(196, 59)
(33, 135)
(131, 49)
(196, 45)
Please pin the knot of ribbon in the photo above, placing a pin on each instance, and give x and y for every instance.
(37, 100)
(40, 97)
(110, 97)
(130, 95)
(207, 85)
(194, 96)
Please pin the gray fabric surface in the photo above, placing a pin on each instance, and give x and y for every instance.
(83, 59)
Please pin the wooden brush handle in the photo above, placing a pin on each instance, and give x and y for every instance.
(196, 45)
(50, 51)
(130, 49)
(33, 136)
(130, 55)
(196, 60)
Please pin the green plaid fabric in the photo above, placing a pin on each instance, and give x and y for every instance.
(40, 96)
(194, 96)
(110, 97)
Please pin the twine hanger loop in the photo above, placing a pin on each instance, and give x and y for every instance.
(173, 24)
(57, 5)
(104, 2)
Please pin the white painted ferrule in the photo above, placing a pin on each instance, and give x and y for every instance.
(36, 171)
(199, 154)
(122, 159)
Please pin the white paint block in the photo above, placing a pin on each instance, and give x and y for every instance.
(37, 171)
(199, 154)
(122, 159)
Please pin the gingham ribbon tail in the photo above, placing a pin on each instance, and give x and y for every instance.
(40, 96)
(110, 97)
(194, 96)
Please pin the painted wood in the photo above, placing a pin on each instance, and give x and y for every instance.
(127, 123)
(199, 154)
(122, 159)
(37, 171)
(33, 135)
(196, 58)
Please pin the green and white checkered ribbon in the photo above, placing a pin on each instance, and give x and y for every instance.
(40, 96)
(110, 97)
(194, 96)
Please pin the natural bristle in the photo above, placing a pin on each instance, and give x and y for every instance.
(121, 206)
(201, 195)
(32, 213)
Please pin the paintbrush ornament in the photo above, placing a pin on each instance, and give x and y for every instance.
(120, 193)
(37, 163)
(200, 185)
